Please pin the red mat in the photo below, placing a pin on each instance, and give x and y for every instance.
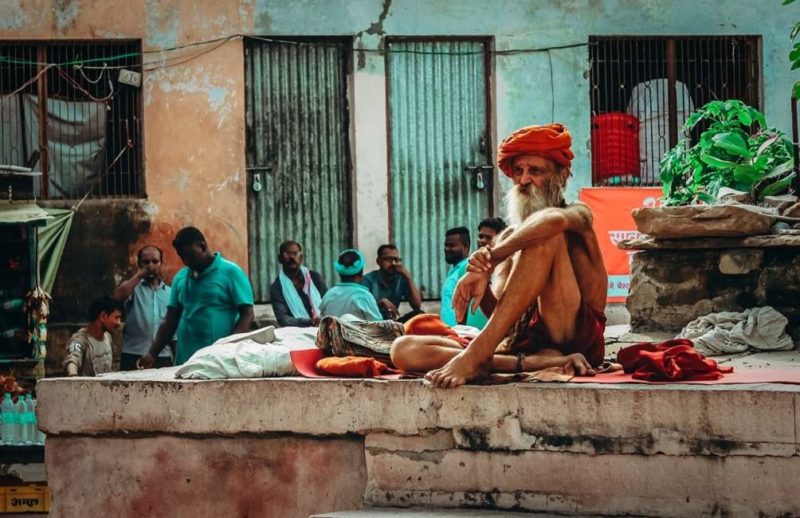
(740, 375)
(305, 362)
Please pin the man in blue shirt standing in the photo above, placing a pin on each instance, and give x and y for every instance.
(211, 298)
(145, 297)
(350, 297)
(391, 284)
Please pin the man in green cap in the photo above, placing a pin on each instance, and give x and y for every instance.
(350, 297)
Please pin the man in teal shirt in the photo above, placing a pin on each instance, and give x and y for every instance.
(211, 298)
(350, 297)
(456, 253)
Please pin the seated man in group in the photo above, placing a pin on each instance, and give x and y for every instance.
(391, 284)
(488, 229)
(456, 253)
(350, 297)
(547, 302)
(297, 291)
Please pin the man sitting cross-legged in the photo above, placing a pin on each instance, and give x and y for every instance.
(547, 300)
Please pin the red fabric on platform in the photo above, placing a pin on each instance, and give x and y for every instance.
(352, 366)
(673, 360)
(741, 376)
(305, 361)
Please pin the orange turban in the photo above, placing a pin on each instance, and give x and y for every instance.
(551, 141)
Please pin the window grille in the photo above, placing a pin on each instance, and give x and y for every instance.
(644, 88)
(63, 112)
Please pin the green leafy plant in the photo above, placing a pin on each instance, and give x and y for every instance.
(736, 150)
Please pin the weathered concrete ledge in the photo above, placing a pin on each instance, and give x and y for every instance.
(666, 450)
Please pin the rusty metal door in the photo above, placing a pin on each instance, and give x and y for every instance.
(440, 163)
(298, 159)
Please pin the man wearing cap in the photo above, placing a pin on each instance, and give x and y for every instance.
(350, 297)
(547, 299)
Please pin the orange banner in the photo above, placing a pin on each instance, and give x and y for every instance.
(611, 207)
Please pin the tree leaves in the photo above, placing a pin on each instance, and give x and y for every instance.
(733, 143)
(735, 150)
(777, 187)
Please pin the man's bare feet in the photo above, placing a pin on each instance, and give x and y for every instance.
(464, 367)
(581, 365)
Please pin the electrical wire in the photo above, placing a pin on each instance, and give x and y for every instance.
(507, 52)
(149, 65)
(147, 68)
(85, 92)
(79, 68)
(28, 82)
(100, 177)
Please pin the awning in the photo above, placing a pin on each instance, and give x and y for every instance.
(16, 213)
(54, 225)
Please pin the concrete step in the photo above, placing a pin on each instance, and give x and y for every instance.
(386, 512)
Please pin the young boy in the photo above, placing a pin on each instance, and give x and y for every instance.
(89, 349)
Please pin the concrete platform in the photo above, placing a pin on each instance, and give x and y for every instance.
(295, 447)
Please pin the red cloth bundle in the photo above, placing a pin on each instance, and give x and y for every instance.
(673, 360)
(432, 325)
(352, 366)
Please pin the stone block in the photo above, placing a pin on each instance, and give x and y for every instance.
(670, 288)
(428, 512)
(433, 441)
(703, 221)
(740, 262)
(655, 485)
(210, 477)
(793, 211)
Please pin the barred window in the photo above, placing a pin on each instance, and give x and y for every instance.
(65, 113)
(643, 89)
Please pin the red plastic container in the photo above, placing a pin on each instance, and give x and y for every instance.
(615, 145)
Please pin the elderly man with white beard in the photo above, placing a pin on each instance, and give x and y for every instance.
(546, 305)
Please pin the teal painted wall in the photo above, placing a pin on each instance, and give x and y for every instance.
(199, 177)
(523, 91)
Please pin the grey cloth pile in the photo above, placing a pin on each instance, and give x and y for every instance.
(728, 332)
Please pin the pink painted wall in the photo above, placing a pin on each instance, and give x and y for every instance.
(170, 476)
(193, 133)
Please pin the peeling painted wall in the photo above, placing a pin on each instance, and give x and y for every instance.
(194, 112)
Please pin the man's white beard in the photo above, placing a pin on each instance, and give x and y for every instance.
(521, 202)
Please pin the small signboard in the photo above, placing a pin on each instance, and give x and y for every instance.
(611, 207)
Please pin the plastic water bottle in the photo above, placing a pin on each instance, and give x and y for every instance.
(22, 420)
(12, 304)
(38, 436)
(27, 419)
(8, 428)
